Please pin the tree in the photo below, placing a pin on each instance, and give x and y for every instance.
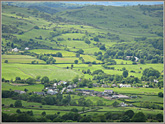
(45, 79)
(102, 47)
(141, 61)
(129, 113)
(43, 113)
(71, 66)
(11, 105)
(75, 79)
(58, 54)
(125, 118)
(76, 61)
(96, 39)
(74, 110)
(38, 77)
(100, 103)
(6, 61)
(98, 71)
(36, 27)
(88, 103)
(25, 90)
(18, 103)
(80, 51)
(17, 78)
(160, 94)
(87, 41)
(115, 104)
(139, 117)
(77, 55)
(159, 117)
(151, 72)
(90, 85)
(18, 111)
(30, 80)
(125, 73)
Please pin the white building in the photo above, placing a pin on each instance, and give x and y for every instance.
(52, 92)
(108, 91)
(120, 96)
(62, 82)
(125, 85)
(123, 104)
(27, 48)
(156, 81)
(136, 59)
(15, 50)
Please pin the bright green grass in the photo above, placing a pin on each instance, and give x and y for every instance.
(34, 33)
(136, 110)
(66, 60)
(20, 59)
(71, 35)
(92, 50)
(64, 53)
(36, 87)
(35, 111)
(17, 57)
(89, 58)
(152, 91)
(8, 101)
(10, 71)
(147, 98)
(119, 61)
(76, 44)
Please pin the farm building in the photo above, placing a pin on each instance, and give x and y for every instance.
(123, 104)
(114, 85)
(62, 82)
(19, 91)
(27, 48)
(39, 93)
(55, 85)
(52, 92)
(70, 87)
(156, 81)
(15, 50)
(69, 90)
(125, 85)
(104, 85)
(108, 91)
(120, 96)
(129, 57)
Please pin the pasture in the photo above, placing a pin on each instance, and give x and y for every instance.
(11, 71)
(130, 90)
(46, 51)
(22, 59)
(31, 88)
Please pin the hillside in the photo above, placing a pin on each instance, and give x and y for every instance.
(134, 28)
(81, 63)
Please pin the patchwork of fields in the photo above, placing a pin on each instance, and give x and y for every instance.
(91, 48)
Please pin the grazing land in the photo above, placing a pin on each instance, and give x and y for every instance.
(64, 62)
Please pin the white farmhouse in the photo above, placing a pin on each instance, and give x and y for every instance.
(27, 48)
(125, 85)
(15, 50)
(52, 92)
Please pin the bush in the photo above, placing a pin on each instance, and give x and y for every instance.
(160, 94)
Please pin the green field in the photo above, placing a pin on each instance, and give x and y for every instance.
(115, 31)
(11, 71)
(44, 51)
(20, 59)
(31, 88)
(125, 90)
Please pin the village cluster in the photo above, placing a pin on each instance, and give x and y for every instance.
(107, 94)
